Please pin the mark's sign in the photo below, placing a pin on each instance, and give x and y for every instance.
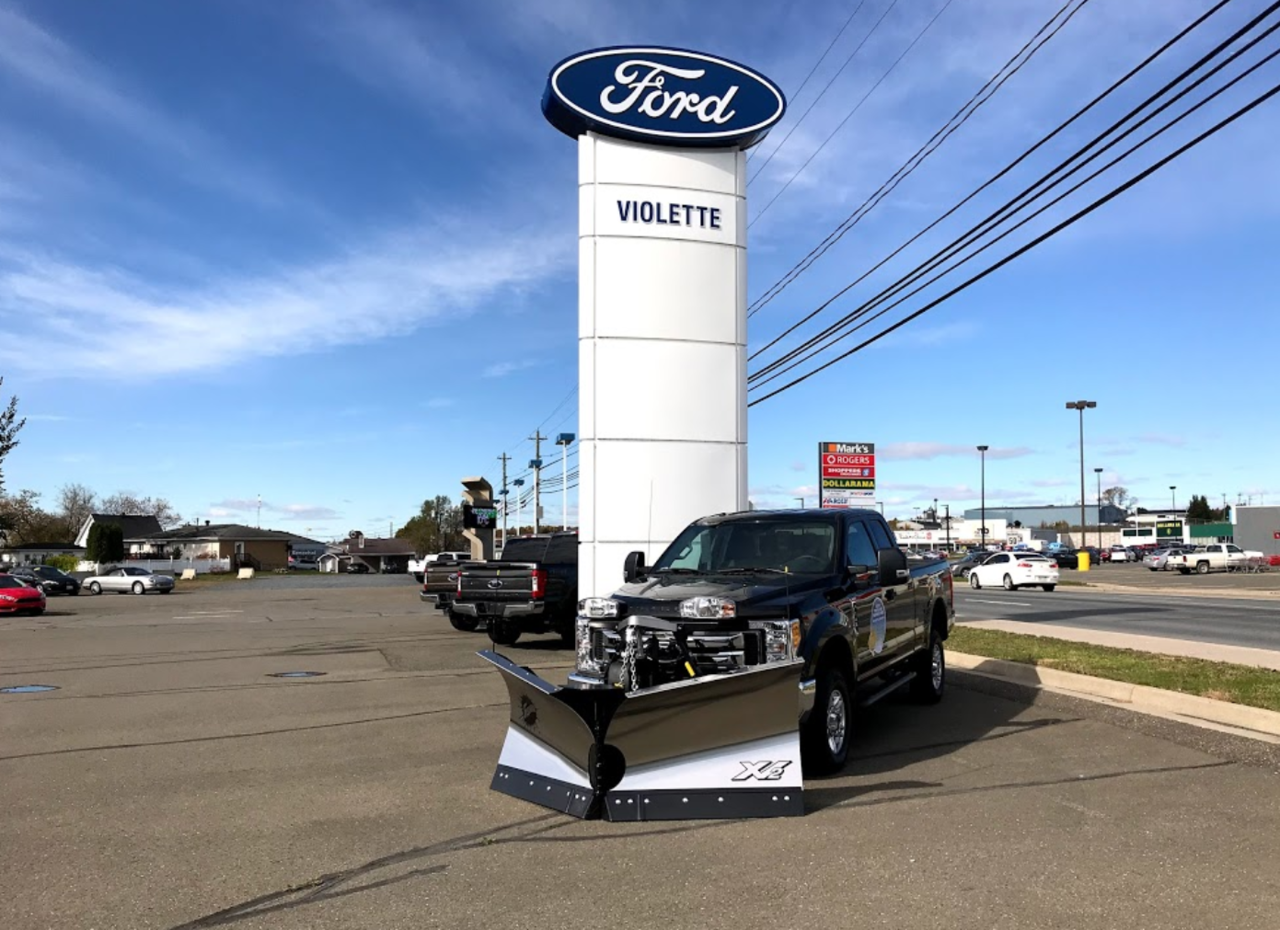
(663, 96)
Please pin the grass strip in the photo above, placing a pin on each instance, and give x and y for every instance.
(1221, 681)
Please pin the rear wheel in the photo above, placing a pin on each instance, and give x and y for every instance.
(974, 582)
(463, 622)
(503, 632)
(931, 671)
(1048, 587)
(1202, 568)
(825, 739)
(1008, 583)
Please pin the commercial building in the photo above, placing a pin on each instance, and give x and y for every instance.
(1036, 515)
(1258, 528)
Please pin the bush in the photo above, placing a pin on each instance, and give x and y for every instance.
(64, 563)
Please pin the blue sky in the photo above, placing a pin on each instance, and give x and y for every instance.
(325, 252)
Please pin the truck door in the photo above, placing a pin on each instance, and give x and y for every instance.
(900, 600)
(876, 610)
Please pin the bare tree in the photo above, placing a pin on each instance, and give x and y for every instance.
(76, 502)
(1119, 497)
(10, 426)
(128, 502)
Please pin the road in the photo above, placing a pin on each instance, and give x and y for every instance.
(172, 782)
(1231, 622)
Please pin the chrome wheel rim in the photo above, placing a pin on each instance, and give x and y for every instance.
(973, 580)
(936, 667)
(837, 720)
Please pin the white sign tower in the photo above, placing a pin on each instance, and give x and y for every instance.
(662, 326)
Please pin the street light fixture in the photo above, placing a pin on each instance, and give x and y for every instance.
(517, 484)
(1098, 472)
(982, 450)
(1082, 406)
(564, 440)
(801, 500)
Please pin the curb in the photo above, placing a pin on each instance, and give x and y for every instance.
(1190, 708)
(1229, 593)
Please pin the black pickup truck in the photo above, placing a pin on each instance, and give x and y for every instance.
(826, 588)
(440, 587)
(531, 588)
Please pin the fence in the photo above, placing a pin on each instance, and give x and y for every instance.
(170, 566)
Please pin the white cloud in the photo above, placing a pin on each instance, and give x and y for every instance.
(226, 508)
(221, 512)
(109, 322)
(502, 369)
(307, 512)
(895, 451)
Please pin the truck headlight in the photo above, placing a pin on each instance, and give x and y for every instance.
(598, 608)
(708, 608)
(781, 639)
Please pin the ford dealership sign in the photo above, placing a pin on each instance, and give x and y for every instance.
(663, 96)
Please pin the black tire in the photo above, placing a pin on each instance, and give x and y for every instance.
(1048, 587)
(38, 613)
(1154, 569)
(166, 590)
(463, 623)
(1202, 568)
(820, 756)
(503, 632)
(139, 588)
(930, 682)
(974, 582)
(1184, 571)
(95, 588)
(1008, 583)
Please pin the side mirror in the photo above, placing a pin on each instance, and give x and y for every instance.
(633, 568)
(892, 564)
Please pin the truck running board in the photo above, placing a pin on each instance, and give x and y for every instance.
(720, 746)
(886, 690)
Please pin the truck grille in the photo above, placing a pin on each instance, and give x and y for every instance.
(709, 651)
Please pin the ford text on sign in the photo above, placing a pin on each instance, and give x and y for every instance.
(662, 96)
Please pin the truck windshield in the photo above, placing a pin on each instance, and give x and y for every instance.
(801, 547)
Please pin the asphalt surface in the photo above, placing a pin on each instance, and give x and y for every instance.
(1231, 622)
(171, 783)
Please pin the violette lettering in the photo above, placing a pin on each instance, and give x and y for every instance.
(659, 213)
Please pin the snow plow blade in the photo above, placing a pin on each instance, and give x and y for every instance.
(719, 746)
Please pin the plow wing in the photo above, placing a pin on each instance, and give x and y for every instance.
(715, 746)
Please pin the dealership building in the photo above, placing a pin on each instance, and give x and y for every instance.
(1049, 514)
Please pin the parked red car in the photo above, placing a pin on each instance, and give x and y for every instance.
(18, 597)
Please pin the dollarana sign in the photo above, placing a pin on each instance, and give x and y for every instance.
(663, 96)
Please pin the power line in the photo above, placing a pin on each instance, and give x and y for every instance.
(1004, 171)
(958, 119)
(849, 115)
(1010, 209)
(1107, 198)
(822, 93)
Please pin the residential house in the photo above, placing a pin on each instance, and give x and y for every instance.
(389, 556)
(244, 546)
(37, 553)
(134, 526)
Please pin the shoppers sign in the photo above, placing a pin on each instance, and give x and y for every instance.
(663, 96)
(847, 474)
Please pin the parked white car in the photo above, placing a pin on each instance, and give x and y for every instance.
(1216, 557)
(1015, 570)
(128, 578)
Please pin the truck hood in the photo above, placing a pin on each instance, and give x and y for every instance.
(754, 594)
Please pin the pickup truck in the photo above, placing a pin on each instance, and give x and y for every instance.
(531, 588)
(418, 567)
(440, 586)
(1215, 557)
(827, 588)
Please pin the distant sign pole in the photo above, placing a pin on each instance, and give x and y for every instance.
(846, 474)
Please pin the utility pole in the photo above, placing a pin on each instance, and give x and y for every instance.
(536, 465)
(259, 511)
(948, 509)
(504, 458)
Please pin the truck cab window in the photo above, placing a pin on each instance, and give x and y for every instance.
(858, 547)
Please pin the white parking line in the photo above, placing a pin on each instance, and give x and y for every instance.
(978, 600)
(211, 613)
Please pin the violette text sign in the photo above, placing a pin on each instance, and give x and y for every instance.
(663, 96)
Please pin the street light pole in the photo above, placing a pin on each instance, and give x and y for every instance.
(1098, 472)
(982, 450)
(801, 500)
(1082, 406)
(1173, 497)
(948, 506)
(563, 441)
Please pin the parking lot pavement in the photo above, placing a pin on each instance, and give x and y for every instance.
(170, 783)
(1133, 575)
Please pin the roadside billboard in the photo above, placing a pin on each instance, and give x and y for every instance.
(846, 474)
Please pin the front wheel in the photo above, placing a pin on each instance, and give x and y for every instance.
(931, 672)
(974, 582)
(825, 740)
(503, 632)
(95, 588)
(463, 623)
(1008, 583)
(1048, 587)
(139, 588)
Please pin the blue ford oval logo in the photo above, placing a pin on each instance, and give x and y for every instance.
(663, 96)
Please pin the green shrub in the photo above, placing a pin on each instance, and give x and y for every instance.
(64, 563)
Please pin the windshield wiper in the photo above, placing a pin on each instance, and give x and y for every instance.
(674, 571)
(751, 571)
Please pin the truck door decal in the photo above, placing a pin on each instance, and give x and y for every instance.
(879, 624)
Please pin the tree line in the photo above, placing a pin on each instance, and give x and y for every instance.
(23, 518)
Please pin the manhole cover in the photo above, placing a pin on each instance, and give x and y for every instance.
(296, 674)
(27, 689)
